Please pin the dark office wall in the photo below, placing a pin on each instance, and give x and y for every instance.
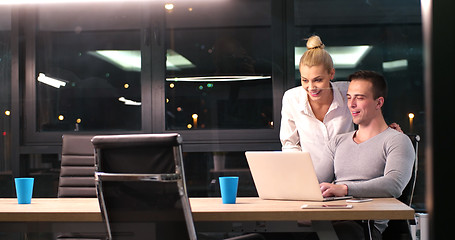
(439, 94)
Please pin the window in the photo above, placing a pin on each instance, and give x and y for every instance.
(385, 37)
(214, 71)
(219, 66)
(146, 67)
(82, 86)
(88, 68)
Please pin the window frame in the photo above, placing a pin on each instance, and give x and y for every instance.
(153, 88)
(31, 136)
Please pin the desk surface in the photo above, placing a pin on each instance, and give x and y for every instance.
(51, 210)
(206, 209)
(255, 209)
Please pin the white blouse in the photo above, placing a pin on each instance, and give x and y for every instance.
(302, 131)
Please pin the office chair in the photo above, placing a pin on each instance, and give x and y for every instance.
(77, 176)
(401, 229)
(77, 172)
(141, 187)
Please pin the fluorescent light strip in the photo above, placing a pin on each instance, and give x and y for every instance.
(50, 81)
(343, 56)
(395, 65)
(130, 60)
(175, 61)
(349, 56)
(217, 78)
(129, 102)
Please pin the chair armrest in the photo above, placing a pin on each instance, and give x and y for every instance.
(173, 177)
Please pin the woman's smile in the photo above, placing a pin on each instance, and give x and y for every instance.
(314, 93)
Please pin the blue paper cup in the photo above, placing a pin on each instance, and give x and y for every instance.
(24, 190)
(228, 186)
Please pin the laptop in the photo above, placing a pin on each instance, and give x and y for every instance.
(285, 176)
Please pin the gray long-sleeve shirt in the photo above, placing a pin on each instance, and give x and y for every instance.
(378, 167)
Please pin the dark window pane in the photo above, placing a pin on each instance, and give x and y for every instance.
(218, 73)
(95, 61)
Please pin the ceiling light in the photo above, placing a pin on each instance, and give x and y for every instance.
(130, 60)
(169, 6)
(175, 61)
(218, 78)
(343, 56)
(50, 81)
(395, 65)
(129, 102)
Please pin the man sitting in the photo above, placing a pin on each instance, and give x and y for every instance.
(374, 161)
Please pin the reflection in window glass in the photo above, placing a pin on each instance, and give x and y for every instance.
(219, 70)
(88, 68)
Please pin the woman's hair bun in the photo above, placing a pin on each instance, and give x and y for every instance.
(314, 42)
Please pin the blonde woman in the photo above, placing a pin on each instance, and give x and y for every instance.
(317, 111)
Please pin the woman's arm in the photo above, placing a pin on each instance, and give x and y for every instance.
(289, 136)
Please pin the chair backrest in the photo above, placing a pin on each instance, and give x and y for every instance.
(400, 229)
(408, 193)
(77, 173)
(140, 179)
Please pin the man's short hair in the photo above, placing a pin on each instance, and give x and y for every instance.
(376, 79)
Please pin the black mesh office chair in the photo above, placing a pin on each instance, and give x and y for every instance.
(140, 180)
(400, 229)
(77, 177)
